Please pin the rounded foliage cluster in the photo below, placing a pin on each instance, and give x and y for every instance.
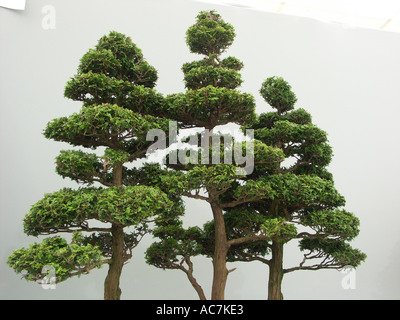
(210, 34)
(277, 92)
(55, 254)
(69, 209)
(118, 57)
(116, 72)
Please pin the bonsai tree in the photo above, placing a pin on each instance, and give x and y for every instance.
(304, 206)
(115, 85)
(211, 100)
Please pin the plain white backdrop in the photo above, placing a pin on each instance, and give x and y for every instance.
(347, 78)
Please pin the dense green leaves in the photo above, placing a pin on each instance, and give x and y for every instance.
(231, 63)
(93, 89)
(177, 243)
(115, 72)
(55, 254)
(132, 205)
(267, 120)
(96, 88)
(121, 46)
(293, 191)
(68, 210)
(267, 156)
(277, 92)
(211, 99)
(106, 125)
(339, 254)
(211, 106)
(60, 210)
(338, 223)
(101, 62)
(218, 77)
(113, 157)
(210, 34)
(117, 57)
(299, 139)
(289, 132)
(89, 168)
(278, 228)
(78, 166)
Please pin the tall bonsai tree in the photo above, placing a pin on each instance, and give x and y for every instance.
(115, 84)
(211, 100)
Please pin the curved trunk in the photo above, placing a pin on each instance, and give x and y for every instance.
(196, 286)
(192, 279)
(276, 272)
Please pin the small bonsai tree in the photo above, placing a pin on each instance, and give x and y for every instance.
(115, 84)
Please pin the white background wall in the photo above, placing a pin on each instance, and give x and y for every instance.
(348, 79)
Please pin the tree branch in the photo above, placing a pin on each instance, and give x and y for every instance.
(195, 196)
(324, 264)
(248, 238)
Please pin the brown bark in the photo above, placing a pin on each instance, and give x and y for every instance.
(193, 280)
(117, 174)
(112, 290)
(196, 287)
(219, 259)
(276, 271)
(220, 272)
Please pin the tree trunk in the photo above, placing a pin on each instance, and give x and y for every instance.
(276, 272)
(117, 174)
(220, 273)
(196, 286)
(112, 290)
(219, 259)
(192, 279)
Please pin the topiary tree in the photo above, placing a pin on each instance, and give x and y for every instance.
(304, 204)
(211, 100)
(115, 84)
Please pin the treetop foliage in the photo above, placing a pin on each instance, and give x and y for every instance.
(115, 72)
(210, 34)
(212, 98)
(277, 92)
